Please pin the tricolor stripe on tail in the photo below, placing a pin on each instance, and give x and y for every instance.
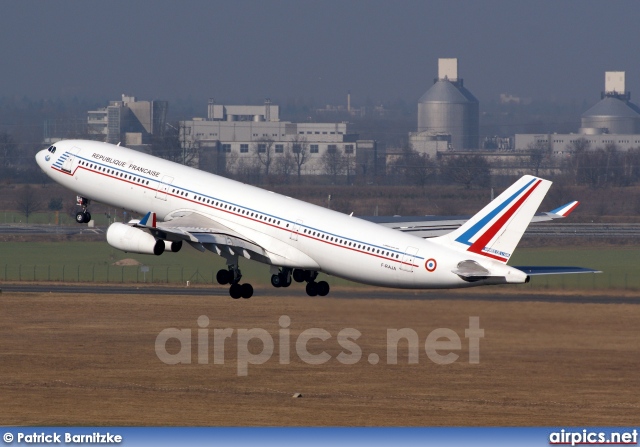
(495, 231)
(567, 209)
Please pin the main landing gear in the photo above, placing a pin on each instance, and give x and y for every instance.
(83, 216)
(233, 276)
(313, 288)
(283, 278)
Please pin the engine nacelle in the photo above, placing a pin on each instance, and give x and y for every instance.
(134, 240)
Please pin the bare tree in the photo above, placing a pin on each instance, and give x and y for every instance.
(539, 154)
(8, 154)
(264, 151)
(349, 161)
(28, 201)
(467, 170)
(333, 162)
(416, 168)
(285, 165)
(300, 153)
(591, 168)
(248, 170)
(169, 147)
(577, 148)
(231, 163)
(602, 167)
(632, 165)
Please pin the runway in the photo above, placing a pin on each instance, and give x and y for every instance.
(337, 292)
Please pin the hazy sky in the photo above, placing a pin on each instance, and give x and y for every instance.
(246, 50)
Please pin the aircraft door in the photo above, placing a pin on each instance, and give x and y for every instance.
(68, 159)
(408, 259)
(295, 230)
(163, 187)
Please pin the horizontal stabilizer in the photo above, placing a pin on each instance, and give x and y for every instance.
(553, 270)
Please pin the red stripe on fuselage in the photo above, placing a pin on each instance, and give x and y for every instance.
(399, 261)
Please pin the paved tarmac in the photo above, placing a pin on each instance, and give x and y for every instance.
(298, 291)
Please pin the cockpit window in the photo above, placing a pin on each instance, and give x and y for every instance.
(52, 149)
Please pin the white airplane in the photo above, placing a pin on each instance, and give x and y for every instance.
(297, 239)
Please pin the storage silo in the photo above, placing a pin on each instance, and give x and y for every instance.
(449, 108)
(615, 113)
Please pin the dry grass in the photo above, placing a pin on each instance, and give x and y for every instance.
(90, 360)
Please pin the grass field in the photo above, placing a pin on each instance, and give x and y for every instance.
(93, 262)
(90, 360)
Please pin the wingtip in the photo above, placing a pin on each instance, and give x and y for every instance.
(566, 209)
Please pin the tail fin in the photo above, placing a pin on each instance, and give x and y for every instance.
(495, 231)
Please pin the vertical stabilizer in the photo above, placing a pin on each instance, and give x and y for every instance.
(495, 231)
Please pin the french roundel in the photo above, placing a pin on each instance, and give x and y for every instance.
(430, 265)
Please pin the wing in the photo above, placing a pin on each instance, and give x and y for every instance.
(432, 226)
(203, 233)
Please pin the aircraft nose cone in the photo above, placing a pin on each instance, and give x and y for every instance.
(42, 158)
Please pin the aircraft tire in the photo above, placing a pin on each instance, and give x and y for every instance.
(235, 291)
(87, 217)
(276, 281)
(80, 217)
(246, 290)
(312, 289)
(222, 277)
(323, 288)
(298, 275)
(284, 282)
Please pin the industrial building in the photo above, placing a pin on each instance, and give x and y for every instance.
(613, 120)
(129, 121)
(233, 137)
(448, 114)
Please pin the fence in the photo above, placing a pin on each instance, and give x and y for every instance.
(106, 274)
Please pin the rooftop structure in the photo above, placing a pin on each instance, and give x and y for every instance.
(128, 121)
(449, 108)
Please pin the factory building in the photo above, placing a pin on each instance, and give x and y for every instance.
(613, 120)
(447, 109)
(233, 137)
(129, 121)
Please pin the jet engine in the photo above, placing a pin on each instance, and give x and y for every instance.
(134, 240)
(174, 246)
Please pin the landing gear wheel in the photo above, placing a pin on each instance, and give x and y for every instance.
(223, 276)
(246, 291)
(80, 217)
(276, 281)
(312, 289)
(235, 291)
(323, 288)
(87, 217)
(298, 275)
(286, 282)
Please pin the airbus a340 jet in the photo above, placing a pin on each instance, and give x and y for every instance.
(185, 206)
